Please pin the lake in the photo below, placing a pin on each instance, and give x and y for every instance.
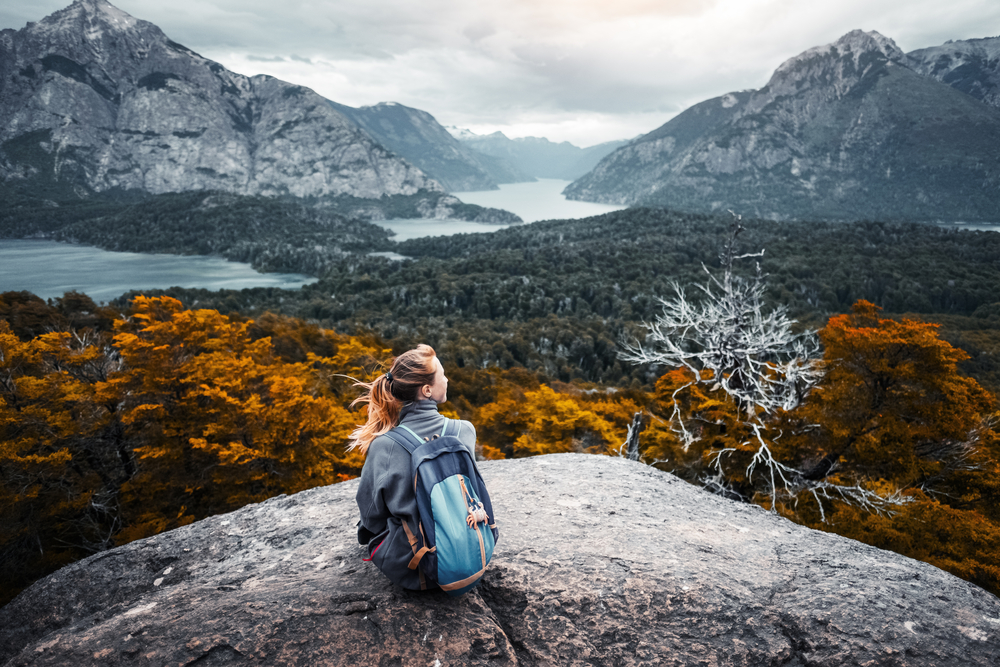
(50, 269)
(541, 200)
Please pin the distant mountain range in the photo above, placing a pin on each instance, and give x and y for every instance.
(851, 130)
(94, 101)
(416, 136)
(538, 156)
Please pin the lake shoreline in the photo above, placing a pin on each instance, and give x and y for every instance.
(52, 270)
(37, 266)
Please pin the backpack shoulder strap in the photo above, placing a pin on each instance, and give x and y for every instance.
(414, 441)
(401, 439)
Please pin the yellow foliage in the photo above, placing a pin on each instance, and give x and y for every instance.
(542, 421)
(182, 414)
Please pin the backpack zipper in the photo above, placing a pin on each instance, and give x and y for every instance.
(474, 518)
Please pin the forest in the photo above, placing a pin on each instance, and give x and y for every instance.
(557, 296)
(272, 234)
(118, 422)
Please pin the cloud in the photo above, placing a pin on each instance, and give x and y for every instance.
(582, 70)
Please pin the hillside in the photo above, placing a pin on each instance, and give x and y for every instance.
(557, 296)
(846, 131)
(970, 65)
(416, 136)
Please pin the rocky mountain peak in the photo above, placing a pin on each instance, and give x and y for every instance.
(845, 131)
(972, 66)
(859, 42)
(840, 64)
(95, 99)
(91, 23)
(92, 12)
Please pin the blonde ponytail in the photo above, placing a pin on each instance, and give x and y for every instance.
(386, 394)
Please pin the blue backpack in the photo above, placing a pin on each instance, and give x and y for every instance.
(457, 528)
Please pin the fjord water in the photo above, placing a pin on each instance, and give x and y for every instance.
(50, 269)
(541, 200)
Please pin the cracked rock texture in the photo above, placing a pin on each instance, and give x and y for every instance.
(95, 99)
(601, 561)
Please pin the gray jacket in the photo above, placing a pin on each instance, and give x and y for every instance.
(385, 494)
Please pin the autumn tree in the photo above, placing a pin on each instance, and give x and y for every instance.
(180, 415)
(894, 416)
(224, 414)
(63, 454)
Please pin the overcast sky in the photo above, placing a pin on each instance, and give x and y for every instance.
(584, 71)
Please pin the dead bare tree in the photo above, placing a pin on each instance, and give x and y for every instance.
(728, 340)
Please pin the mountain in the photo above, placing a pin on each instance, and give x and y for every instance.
(601, 561)
(94, 100)
(840, 132)
(539, 156)
(416, 136)
(972, 66)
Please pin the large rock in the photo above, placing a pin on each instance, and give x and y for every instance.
(601, 561)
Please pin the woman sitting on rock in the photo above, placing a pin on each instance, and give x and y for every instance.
(406, 396)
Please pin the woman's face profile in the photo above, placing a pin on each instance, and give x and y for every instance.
(438, 391)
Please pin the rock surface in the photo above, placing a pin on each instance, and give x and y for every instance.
(601, 561)
(846, 131)
(94, 99)
(970, 65)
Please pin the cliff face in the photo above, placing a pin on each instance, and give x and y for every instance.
(94, 99)
(420, 139)
(600, 561)
(845, 131)
(969, 65)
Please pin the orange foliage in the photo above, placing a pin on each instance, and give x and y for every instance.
(179, 414)
(892, 404)
(893, 413)
(545, 422)
(182, 414)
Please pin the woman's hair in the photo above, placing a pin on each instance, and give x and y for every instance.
(386, 394)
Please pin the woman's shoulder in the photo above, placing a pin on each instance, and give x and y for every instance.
(382, 457)
(464, 428)
(383, 442)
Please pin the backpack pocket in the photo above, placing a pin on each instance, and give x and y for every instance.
(463, 539)
(392, 555)
(374, 544)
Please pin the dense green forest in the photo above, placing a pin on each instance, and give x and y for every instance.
(271, 234)
(557, 296)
